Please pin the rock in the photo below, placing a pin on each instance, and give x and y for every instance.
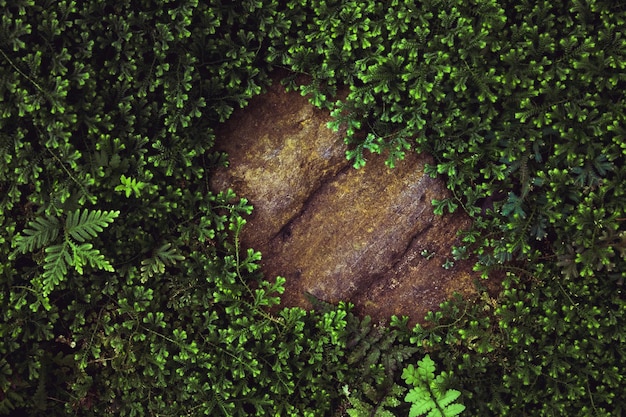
(333, 231)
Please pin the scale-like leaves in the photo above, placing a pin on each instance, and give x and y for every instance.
(513, 206)
(87, 224)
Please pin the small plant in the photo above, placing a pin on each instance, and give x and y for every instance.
(447, 264)
(361, 408)
(429, 395)
(73, 250)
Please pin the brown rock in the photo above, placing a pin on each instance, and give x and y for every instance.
(333, 231)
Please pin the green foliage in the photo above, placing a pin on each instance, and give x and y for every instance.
(540, 348)
(108, 115)
(163, 313)
(361, 408)
(130, 186)
(519, 103)
(79, 227)
(429, 395)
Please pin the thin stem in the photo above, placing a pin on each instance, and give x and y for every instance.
(22, 73)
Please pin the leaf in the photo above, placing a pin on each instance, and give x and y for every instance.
(130, 185)
(85, 254)
(427, 395)
(151, 266)
(426, 369)
(448, 397)
(39, 233)
(410, 375)
(87, 225)
(420, 405)
(168, 254)
(513, 205)
(164, 255)
(453, 410)
(55, 267)
(440, 205)
(418, 395)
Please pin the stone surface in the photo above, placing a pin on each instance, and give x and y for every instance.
(333, 231)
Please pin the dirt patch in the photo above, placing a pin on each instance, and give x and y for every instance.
(368, 236)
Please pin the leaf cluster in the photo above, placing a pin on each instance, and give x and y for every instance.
(429, 395)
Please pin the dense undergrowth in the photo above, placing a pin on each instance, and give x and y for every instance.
(125, 290)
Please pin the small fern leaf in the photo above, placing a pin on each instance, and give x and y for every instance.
(359, 408)
(150, 267)
(85, 254)
(55, 267)
(448, 397)
(168, 255)
(426, 369)
(39, 233)
(420, 400)
(87, 224)
(453, 410)
(164, 255)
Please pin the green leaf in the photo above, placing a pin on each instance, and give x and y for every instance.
(39, 233)
(87, 225)
(513, 205)
(150, 267)
(168, 254)
(164, 255)
(453, 410)
(440, 205)
(420, 404)
(427, 394)
(448, 397)
(130, 185)
(85, 254)
(55, 267)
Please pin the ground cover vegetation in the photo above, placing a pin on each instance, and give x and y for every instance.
(125, 289)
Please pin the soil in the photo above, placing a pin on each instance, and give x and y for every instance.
(366, 236)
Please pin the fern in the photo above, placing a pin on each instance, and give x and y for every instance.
(86, 225)
(79, 226)
(428, 395)
(164, 255)
(55, 267)
(362, 408)
(86, 254)
(39, 233)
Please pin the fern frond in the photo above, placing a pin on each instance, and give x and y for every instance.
(87, 225)
(164, 255)
(151, 266)
(448, 397)
(429, 394)
(421, 401)
(39, 233)
(168, 254)
(55, 267)
(85, 254)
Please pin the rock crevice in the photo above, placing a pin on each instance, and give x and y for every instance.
(333, 231)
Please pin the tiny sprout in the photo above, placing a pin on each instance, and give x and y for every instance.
(447, 264)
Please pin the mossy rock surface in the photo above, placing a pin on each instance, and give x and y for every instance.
(333, 231)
